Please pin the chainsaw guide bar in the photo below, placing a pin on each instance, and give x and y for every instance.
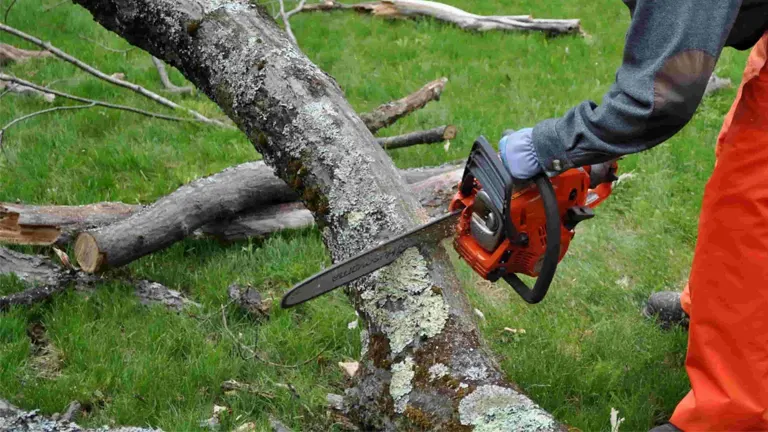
(371, 260)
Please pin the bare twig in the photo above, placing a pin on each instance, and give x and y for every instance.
(169, 86)
(104, 46)
(297, 9)
(101, 75)
(5, 18)
(45, 111)
(9, 78)
(286, 22)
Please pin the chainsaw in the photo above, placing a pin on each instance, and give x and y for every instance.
(501, 226)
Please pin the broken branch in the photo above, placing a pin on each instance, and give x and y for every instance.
(110, 79)
(431, 136)
(169, 86)
(453, 15)
(390, 112)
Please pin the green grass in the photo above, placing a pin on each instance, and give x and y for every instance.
(586, 348)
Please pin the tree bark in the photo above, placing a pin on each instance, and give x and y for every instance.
(424, 365)
(453, 15)
(60, 225)
(15, 419)
(431, 136)
(179, 214)
(390, 112)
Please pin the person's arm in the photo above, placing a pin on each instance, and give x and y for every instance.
(671, 50)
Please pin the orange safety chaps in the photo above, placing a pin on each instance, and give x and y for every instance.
(727, 294)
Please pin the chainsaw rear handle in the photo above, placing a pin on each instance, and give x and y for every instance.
(552, 253)
(486, 167)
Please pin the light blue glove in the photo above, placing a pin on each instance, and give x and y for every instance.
(518, 155)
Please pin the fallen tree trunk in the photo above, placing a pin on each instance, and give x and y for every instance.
(431, 136)
(417, 319)
(60, 225)
(453, 15)
(177, 215)
(390, 112)
(434, 194)
(231, 205)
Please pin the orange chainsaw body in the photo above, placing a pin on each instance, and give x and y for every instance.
(524, 254)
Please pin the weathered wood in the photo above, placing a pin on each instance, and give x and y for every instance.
(416, 317)
(16, 419)
(179, 214)
(390, 112)
(10, 54)
(46, 225)
(44, 278)
(453, 15)
(431, 136)
(51, 224)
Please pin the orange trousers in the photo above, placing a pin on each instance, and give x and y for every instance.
(727, 294)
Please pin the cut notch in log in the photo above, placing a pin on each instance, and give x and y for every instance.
(11, 231)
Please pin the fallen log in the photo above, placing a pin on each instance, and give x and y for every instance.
(390, 112)
(216, 203)
(10, 54)
(434, 194)
(431, 136)
(60, 225)
(179, 214)
(453, 15)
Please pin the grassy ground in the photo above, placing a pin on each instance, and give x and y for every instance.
(586, 349)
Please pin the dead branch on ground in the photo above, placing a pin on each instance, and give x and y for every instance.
(453, 15)
(431, 136)
(44, 279)
(10, 54)
(60, 225)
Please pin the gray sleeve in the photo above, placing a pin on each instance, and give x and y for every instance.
(670, 53)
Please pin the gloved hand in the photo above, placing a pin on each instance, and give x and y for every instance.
(518, 155)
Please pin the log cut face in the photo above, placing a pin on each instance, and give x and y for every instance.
(417, 318)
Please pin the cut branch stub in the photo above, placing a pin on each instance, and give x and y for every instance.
(431, 136)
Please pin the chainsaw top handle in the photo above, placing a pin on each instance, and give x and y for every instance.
(486, 167)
